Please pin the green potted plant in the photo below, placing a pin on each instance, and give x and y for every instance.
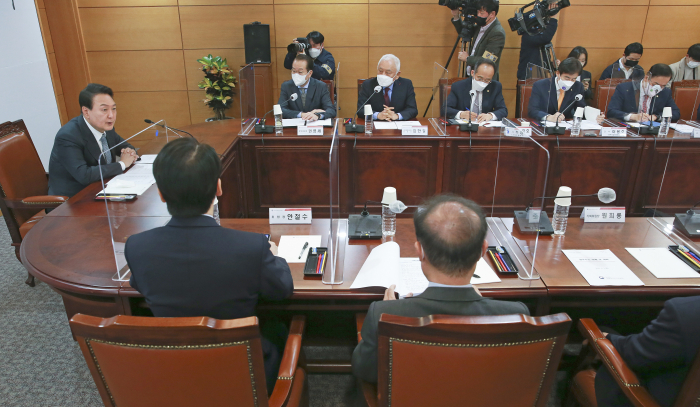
(218, 85)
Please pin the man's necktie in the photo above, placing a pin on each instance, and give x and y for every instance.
(561, 98)
(387, 101)
(645, 104)
(105, 148)
(303, 96)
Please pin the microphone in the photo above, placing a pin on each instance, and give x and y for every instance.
(556, 129)
(688, 223)
(470, 126)
(605, 195)
(352, 127)
(651, 129)
(170, 128)
(261, 128)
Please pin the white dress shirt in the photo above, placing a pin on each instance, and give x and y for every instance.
(431, 284)
(627, 70)
(98, 137)
(480, 98)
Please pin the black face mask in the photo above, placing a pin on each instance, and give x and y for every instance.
(631, 64)
(481, 21)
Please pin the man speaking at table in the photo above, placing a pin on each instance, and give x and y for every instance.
(451, 234)
(487, 103)
(194, 267)
(78, 148)
(396, 100)
(313, 101)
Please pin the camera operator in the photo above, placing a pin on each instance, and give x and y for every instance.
(324, 64)
(486, 43)
(530, 45)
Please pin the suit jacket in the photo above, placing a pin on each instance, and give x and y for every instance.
(492, 100)
(679, 69)
(660, 355)
(625, 100)
(493, 41)
(73, 164)
(317, 97)
(433, 301)
(403, 97)
(638, 72)
(324, 65)
(530, 47)
(544, 98)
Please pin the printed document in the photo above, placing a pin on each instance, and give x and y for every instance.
(135, 181)
(662, 263)
(291, 247)
(602, 267)
(301, 122)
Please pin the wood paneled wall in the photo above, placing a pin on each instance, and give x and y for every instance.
(146, 50)
(51, 57)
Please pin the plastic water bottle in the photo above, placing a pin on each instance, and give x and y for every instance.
(576, 127)
(388, 221)
(369, 118)
(279, 128)
(665, 125)
(560, 218)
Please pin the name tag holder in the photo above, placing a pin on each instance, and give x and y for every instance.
(414, 130)
(603, 215)
(287, 216)
(309, 130)
(613, 132)
(696, 133)
(520, 131)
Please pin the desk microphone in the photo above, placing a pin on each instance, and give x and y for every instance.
(688, 223)
(170, 128)
(605, 195)
(261, 128)
(651, 130)
(353, 127)
(556, 129)
(470, 126)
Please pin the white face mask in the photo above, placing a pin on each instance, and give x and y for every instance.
(479, 86)
(565, 85)
(314, 52)
(299, 79)
(385, 81)
(692, 64)
(653, 90)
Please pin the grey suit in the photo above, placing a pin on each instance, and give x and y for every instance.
(433, 301)
(73, 164)
(493, 41)
(317, 97)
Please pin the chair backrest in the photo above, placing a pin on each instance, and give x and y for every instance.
(689, 395)
(686, 95)
(604, 91)
(438, 359)
(524, 90)
(331, 90)
(446, 88)
(21, 172)
(359, 86)
(147, 361)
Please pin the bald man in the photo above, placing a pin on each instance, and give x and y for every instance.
(451, 238)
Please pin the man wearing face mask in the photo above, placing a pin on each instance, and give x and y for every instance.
(687, 68)
(645, 100)
(397, 99)
(324, 64)
(554, 99)
(489, 41)
(487, 104)
(313, 100)
(626, 67)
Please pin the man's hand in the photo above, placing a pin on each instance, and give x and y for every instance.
(273, 248)
(128, 158)
(309, 116)
(390, 112)
(463, 55)
(600, 118)
(484, 117)
(131, 151)
(466, 114)
(318, 111)
(389, 294)
(586, 85)
(640, 117)
(383, 116)
(555, 117)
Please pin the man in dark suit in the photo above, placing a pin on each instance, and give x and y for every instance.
(313, 100)
(660, 355)
(396, 100)
(645, 100)
(450, 232)
(487, 104)
(530, 46)
(626, 67)
(77, 154)
(551, 99)
(486, 42)
(194, 267)
(324, 64)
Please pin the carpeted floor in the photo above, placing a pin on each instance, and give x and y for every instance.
(41, 365)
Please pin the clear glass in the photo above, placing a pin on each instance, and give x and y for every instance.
(560, 218)
(665, 126)
(337, 233)
(438, 117)
(369, 118)
(388, 221)
(336, 87)
(246, 93)
(576, 127)
(279, 129)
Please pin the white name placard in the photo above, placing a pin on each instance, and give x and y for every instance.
(414, 130)
(518, 131)
(603, 214)
(696, 133)
(286, 216)
(613, 132)
(309, 130)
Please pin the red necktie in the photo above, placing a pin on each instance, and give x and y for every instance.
(645, 104)
(387, 101)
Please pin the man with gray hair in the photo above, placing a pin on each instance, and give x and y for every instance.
(396, 100)
(450, 234)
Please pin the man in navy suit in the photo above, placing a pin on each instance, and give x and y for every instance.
(645, 100)
(194, 267)
(313, 100)
(555, 99)
(487, 104)
(396, 100)
(626, 67)
(660, 355)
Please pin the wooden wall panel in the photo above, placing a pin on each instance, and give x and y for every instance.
(134, 107)
(430, 25)
(664, 56)
(342, 25)
(46, 34)
(53, 69)
(663, 27)
(674, 2)
(130, 28)
(576, 26)
(229, 19)
(125, 3)
(221, 2)
(138, 70)
(417, 63)
(347, 99)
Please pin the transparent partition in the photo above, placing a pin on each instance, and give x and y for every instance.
(337, 235)
(336, 88)
(534, 74)
(438, 117)
(619, 72)
(246, 93)
(121, 192)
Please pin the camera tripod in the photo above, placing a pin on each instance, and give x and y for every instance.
(461, 68)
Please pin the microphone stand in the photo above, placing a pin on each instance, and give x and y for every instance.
(556, 129)
(651, 130)
(470, 126)
(353, 127)
(688, 223)
(262, 128)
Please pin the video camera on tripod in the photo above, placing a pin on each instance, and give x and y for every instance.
(468, 10)
(535, 21)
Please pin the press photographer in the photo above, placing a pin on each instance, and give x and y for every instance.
(537, 28)
(312, 45)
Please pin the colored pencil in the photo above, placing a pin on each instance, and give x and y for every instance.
(498, 265)
(324, 262)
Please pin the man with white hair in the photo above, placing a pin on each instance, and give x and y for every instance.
(396, 99)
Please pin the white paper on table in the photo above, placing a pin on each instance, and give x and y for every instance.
(147, 159)
(562, 123)
(591, 113)
(590, 125)
(290, 247)
(381, 125)
(411, 277)
(400, 124)
(296, 122)
(493, 123)
(633, 124)
(485, 273)
(381, 268)
(662, 263)
(682, 128)
(602, 267)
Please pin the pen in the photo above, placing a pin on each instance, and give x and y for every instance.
(323, 265)
(688, 257)
(498, 265)
(503, 263)
(688, 251)
(318, 262)
(303, 248)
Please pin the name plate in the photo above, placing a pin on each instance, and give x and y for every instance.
(603, 215)
(613, 132)
(518, 131)
(533, 215)
(414, 130)
(696, 133)
(287, 216)
(309, 130)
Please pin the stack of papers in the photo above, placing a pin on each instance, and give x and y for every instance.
(133, 182)
(662, 263)
(682, 128)
(490, 123)
(563, 124)
(147, 159)
(291, 248)
(301, 122)
(382, 125)
(602, 267)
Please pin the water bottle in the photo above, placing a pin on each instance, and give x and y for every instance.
(561, 210)
(216, 211)
(279, 128)
(388, 216)
(576, 127)
(369, 117)
(665, 122)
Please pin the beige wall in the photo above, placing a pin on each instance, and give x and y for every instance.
(146, 50)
